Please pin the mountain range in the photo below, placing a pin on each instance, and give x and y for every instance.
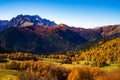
(33, 34)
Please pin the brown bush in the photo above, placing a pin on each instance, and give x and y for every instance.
(81, 74)
(38, 70)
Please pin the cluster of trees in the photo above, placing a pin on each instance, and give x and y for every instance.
(88, 73)
(48, 71)
(3, 58)
(102, 54)
(23, 56)
(20, 56)
(68, 57)
(39, 69)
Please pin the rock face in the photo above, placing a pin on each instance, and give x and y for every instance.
(26, 20)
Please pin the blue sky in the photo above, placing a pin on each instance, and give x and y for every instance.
(79, 13)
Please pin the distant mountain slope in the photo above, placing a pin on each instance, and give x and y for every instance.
(26, 20)
(108, 30)
(3, 25)
(45, 40)
(98, 33)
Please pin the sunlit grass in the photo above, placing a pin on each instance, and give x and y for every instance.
(111, 67)
(11, 74)
(80, 64)
(8, 74)
(50, 60)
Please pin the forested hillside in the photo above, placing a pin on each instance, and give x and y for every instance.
(100, 54)
(104, 52)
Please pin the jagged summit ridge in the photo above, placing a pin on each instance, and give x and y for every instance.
(30, 20)
(26, 20)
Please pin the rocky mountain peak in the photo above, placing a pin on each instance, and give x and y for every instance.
(30, 20)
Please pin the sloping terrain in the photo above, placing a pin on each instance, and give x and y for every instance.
(105, 52)
(47, 40)
(33, 34)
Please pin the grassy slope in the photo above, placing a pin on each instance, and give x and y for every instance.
(56, 61)
(111, 67)
(7, 74)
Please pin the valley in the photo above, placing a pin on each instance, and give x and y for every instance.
(33, 48)
(96, 62)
